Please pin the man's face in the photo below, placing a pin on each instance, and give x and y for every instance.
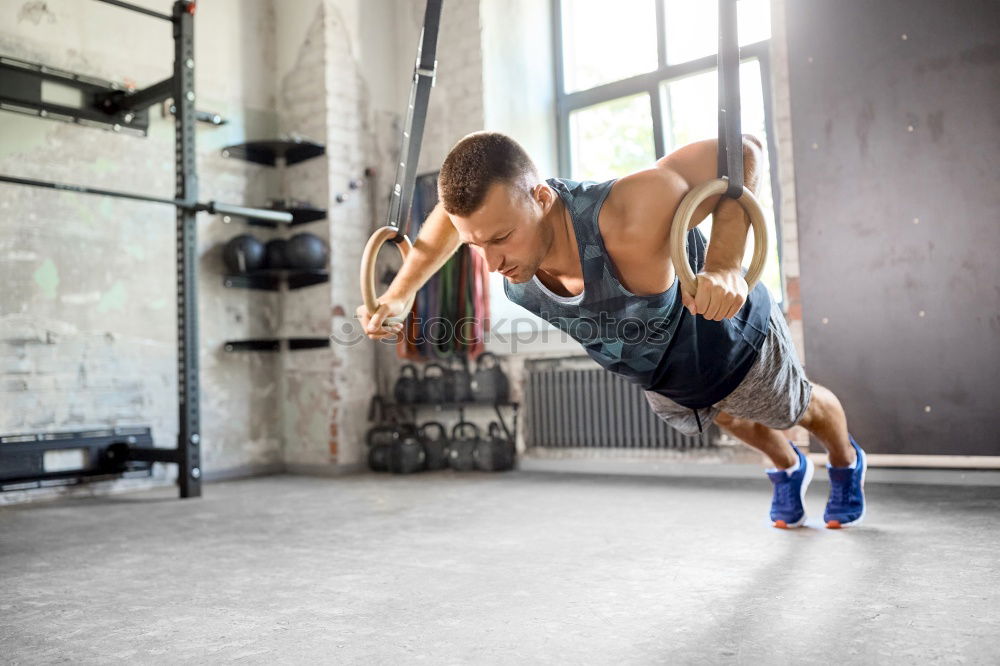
(507, 230)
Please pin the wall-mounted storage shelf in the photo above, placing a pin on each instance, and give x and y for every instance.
(270, 280)
(268, 152)
(274, 344)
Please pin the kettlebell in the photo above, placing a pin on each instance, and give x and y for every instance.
(435, 386)
(406, 454)
(460, 380)
(461, 452)
(434, 437)
(496, 452)
(379, 440)
(489, 383)
(407, 384)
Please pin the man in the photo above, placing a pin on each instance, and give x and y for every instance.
(594, 260)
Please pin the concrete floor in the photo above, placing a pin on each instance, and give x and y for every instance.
(521, 568)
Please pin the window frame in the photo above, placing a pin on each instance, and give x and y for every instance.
(649, 83)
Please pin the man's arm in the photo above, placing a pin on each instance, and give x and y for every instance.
(434, 245)
(645, 195)
(649, 198)
(697, 163)
(722, 289)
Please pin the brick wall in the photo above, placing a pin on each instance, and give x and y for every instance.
(455, 109)
(331, 93)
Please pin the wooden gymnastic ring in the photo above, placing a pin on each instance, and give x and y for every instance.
(682, 218)
(375, 243)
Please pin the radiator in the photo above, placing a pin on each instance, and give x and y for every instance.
(569, 404)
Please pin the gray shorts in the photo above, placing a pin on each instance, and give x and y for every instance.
(774, 393)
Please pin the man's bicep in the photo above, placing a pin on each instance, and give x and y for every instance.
(648, 200)
(696, 162)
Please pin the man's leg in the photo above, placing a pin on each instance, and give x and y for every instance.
(792, 474)
(769, 441)
(824, 418)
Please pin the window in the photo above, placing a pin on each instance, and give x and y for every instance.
(638, 82)
(626, 119)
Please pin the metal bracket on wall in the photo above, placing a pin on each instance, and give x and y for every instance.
(35, 460)
(48, 92)
(55, 94)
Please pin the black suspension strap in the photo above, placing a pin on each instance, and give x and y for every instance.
(730, 132)
(730, 156)
(424, 73)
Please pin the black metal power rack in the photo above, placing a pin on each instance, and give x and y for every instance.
(108, 106)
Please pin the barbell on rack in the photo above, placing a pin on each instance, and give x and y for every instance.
(213, 207)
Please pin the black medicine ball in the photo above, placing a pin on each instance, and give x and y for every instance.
(276, 253)
(307, 252)
(243, 254)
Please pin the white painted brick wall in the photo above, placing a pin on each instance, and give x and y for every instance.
(327, 393)
(455, 109)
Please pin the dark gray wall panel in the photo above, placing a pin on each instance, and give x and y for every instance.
(886, 130)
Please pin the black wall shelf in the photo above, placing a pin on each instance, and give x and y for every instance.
(274, 344)
(270, 279)
(308, 343)
(268, 152)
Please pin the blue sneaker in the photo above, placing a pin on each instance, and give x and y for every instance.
(787, 508)
(847, 492)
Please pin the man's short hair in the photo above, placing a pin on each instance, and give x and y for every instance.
(476, 163)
